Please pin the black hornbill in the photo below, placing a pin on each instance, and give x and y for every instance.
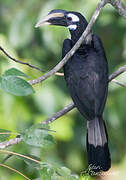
(86, 75)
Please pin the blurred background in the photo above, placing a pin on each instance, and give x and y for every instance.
(42, 47)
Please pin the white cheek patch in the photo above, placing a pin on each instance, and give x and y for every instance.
(72, 27)
(74, 17)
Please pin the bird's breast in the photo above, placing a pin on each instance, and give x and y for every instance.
(82, 65)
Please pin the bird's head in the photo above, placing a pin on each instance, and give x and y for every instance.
(74, 21)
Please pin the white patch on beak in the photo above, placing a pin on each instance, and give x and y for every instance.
(72, 27)
(74, 17)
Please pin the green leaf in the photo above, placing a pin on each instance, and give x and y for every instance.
(63, 171)
(14, 72)
(16, 86)
(38, 135)
(50, 172)
(55, 177)
(4, 137)
(46, 173)
(66, 173)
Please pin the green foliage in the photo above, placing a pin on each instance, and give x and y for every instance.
(38, 135)
(51, 173)
(10, 82)
(14, 72)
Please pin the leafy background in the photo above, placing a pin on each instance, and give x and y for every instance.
(42, 47)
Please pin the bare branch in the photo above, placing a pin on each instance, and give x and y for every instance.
(20, 155)
(75, 47)
(119, 83)
(18, 61)
(65, 110)
(119, 6)
(118, 72)
(30, 65)
(14, 170)
(59, 74)
(10, 142)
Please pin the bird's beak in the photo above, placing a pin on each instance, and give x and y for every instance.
(57, 18)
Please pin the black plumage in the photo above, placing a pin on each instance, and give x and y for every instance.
(86, 75)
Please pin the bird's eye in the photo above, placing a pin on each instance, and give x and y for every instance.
(72, 17)
(69, 18)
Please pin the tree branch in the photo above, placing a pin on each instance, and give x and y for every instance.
(18, 61)
(118, 72)
(30, 65)
(10, 142)
(59, 74)
(119, 6)
(119, 83)
(65, 110)
(14, 170)
(75, 47)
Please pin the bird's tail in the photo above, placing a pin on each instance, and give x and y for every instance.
(97, 145)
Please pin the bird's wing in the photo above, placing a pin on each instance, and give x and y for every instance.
(66, 47)
(91, 92)
(88, 87)
(96, 82)
(72, 82)
(104, 67)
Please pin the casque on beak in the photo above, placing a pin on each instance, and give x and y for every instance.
(53, 18)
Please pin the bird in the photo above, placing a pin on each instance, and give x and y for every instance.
(86, 75)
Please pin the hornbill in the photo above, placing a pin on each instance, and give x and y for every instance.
(86, 75)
